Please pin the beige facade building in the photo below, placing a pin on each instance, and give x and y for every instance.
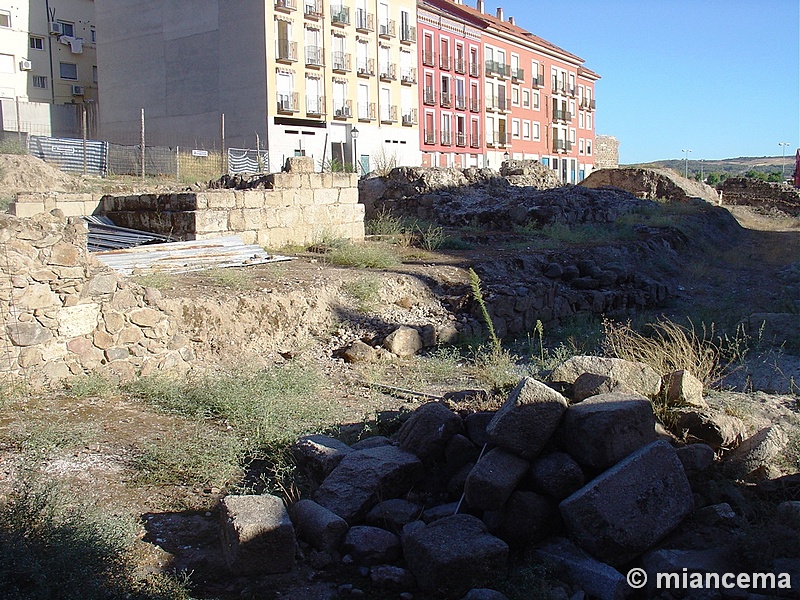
(293, 77)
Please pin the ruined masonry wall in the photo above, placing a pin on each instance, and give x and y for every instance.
(754, 192)
(64, 313)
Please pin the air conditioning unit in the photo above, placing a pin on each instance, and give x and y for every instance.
(55, 28)
(25, 65)
(77, 90)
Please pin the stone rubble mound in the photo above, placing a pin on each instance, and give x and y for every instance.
(593, 486)
(651, 184)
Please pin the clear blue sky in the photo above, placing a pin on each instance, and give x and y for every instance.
(719, 77)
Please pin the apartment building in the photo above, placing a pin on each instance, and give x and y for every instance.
(332, 79)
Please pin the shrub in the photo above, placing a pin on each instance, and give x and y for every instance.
(365, 290)
(372, 256)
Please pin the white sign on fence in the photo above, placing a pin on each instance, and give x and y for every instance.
(199, 152)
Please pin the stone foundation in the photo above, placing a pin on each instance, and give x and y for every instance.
(763, 194)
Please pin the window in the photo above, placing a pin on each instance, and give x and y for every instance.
(515, 95)
(535, 131)
(6, 63)
(588, 120)
(589, 147)
(581, 122)
(526, 130)
(67, 28)
(5, 18)
(68, 71)
(93, 35)
(535, 96)
(515, 128)
(572, 136)
(40, 81)
(36, 42)
(526, 98)
(94, 73)
(581, 147)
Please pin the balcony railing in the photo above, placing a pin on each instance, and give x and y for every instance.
(459, 66)
(365, 66)
(388, 72)
(366, 111)
(410, 117)
(444, 62)
(474, 70)
(561, 145)
(559, 87)
(429, 136)
(315, 105)
(341, 61)
(475, 104)
(562, 115)
(592, 105)
(428, 58)
(518, 74)
(428, 96)
(343, 109)
(446, 99)
(499, 139)
(408, 34)
(475, 140)
(503, 103)
(446, 138)
(538, 81)
(386, 28)
(364, 21)
(497, 68)
(340, 15)
(461, 139)
(288, 103)
(286, 51)
(286, 5)
(461, 102)
(572, 91)
(408, 75)
(389, 114)
(313, 10)
(314, 56)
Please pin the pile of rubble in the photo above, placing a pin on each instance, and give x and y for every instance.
(577, 469)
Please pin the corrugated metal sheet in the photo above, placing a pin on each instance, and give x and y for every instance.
(67, 154)
(104, 235)
(183, 257)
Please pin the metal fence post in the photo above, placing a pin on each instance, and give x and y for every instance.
(178, 163)
(222, 132)
(142, 144)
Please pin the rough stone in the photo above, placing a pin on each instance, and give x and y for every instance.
(318, 455)
(28, 334)
(365, 476)
(78, 320)
(403, 341)
(317, 525)
(589, 384)
(439, 512)
(359, 352)
(64, 255)
(630, 507)
(459, 452)
(257, 535)
(527, 419)
(754, 455)
(526, 518)
(476, 424)
(596, 578)
(451, 555)
(393, 514)
(392, 578)
(493, 479)
(633, 376)
(372, 442)
(556, 475)
(651, 184)
(484, 594)
(371, 545)
(428, 429)
(683, 388)
(145, 317)
(695, 458)
(602, 430)
(714, 427)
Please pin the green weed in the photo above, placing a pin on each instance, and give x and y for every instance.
(365, 290)
(92, 385)
(371, 256)
(235, 279)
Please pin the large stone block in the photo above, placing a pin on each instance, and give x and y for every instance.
(257, 535)
(525, 422)
(630, 507)
(556, 475)
(633, 376)
(317, 525)
(371, 545)
(27, 334)
(428, 430)
(604, 429)
(494, 477)
(451, 555)
(78, 320)
(526, 518)
(319, 454)
(364, 477)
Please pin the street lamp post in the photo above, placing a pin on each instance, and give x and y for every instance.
(686, 165)
(354, 135)
(783, 160)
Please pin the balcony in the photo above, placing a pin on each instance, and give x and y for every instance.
(340, 15)
(428, 58)
(408, 75)
(341, 62)
(408, 34)
(286, 51)
(288, 102)
(388, 72)
(559, 87)
(562, 115)
(410, 117)
(389, 114)
(444, 62)
(497, 69)
(561, 145)
(342, 109)
(475, 104)
(313, 10)
(499, 139)
(571, 91)
(429, 136)
(365, 67)
(314, 56)
(461, 139)
(446, 138)
(366, 111)
(461, 102)
(428, 96)
(538, 81)
(286, 5)
(474, 70)
(365, 21)
(459, 66)
(592, 105)
(315, 106)
(475, 140)
(518, 75)
(446, 99)
(386, 28)
(503, 103)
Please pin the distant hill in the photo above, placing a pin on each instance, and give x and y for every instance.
(729, 166)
